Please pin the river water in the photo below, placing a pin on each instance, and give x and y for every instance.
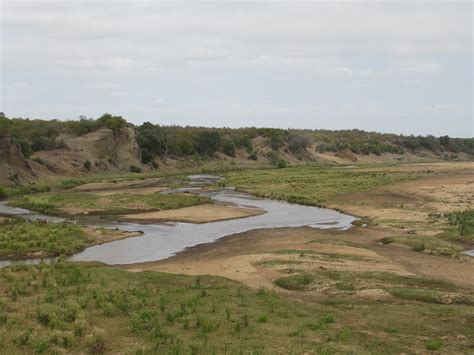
(161, 241)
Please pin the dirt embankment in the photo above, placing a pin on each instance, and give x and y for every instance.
(105, 149)
(14, 168)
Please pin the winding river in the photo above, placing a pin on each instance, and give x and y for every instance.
(161, 241)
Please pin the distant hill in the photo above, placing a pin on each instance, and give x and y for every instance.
(32, 149)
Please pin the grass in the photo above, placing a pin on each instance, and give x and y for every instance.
(431, 245)
(296, 282)
(412, 288)
(320, 255)
(310, 184)
(65, 307)
(61, 203)
(415, 294)
(463, 223)
(338, 242)
(22, 238)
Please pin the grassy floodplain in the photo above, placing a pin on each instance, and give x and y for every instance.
(68, 308)
(312, 308)
(21, 238)
(71, 203)
(312, 184)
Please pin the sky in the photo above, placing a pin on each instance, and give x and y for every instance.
(400, 67)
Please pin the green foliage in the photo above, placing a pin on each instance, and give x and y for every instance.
(228, 148)
(135, 169)
(63, 307)
(310, 185)
(295, 282)
(434, 344)
(253, 156)
(208, 142)
(119, 203)
(87, 165)
(19, 237)
(464, 223)
(115, 123)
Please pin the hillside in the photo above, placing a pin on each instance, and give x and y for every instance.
(38, 149)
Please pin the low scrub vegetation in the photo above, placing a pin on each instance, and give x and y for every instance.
(65, 307)
(21, 238)
(310, 185)
(65, 203)
(161, 142)
(464, 226)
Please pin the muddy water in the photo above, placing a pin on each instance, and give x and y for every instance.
(161, 241)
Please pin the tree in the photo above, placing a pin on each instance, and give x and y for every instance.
(208, 142)
(228, 148)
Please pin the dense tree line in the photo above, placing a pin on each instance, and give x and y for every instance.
(157, 141)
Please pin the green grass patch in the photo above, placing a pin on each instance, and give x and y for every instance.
(463, 223)
(415, 294)
(337, 242)
(80, 308)
(296, 282)
(114, 204)
(22, 238)
(310, 184)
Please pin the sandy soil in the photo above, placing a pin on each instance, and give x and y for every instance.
(195, 214)
(101, 236)
(400, 209)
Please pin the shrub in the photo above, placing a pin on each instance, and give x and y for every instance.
(420, 246)
(228, 148)
(344, 334)
(87, 165)
(96, 342)
(253, 156)
(135, 169)
(296, 282)
(434, 344)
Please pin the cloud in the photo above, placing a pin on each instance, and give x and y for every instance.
(298, 54)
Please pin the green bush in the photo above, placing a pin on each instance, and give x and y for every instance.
(87, 165)
(135, 169)
(434, 344)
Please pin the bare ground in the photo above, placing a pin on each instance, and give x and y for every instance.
(195, 214)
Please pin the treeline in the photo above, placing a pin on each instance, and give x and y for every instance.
(35, 135)
(157, 141)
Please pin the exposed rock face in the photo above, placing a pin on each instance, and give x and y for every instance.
(106, 150)
(14, 168)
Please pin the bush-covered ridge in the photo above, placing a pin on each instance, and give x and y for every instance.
(156, 140)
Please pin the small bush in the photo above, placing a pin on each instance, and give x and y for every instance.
(295, 283)
(434, 344)
(262, 318)
(419, 246)
(253, 156)
(87, 165)
(344, 334)
(135, 169)
(96, 342)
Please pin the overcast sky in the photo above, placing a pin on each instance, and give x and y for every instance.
(402, 67)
